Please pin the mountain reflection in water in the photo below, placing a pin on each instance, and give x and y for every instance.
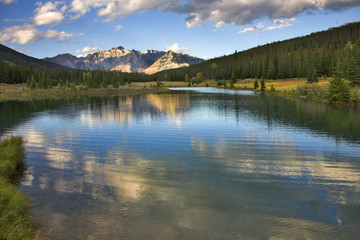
(191, 165)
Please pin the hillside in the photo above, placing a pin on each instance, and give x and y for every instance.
(295, 58)
(124, 60)
(12, 56)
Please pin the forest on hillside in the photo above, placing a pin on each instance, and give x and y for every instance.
(303, 57)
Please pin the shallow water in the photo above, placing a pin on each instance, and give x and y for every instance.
(190, 164)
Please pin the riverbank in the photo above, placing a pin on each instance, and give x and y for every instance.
(20, 91)
(288, 87)
(300, 88)
(16, 221)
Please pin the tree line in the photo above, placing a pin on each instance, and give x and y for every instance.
(66, 78)
(312, 56)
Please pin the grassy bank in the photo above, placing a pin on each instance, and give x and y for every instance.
(20, 91)
(300, 88)
(15, 219)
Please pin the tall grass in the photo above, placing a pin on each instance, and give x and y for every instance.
(15, 219)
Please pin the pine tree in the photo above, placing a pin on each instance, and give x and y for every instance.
(339, 90)
(32, 82)
(271, 71)
(233, 78)
(187, 79)
(256, 84)
(263, 86)
(352, 71)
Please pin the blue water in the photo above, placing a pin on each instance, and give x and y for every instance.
(192, 163)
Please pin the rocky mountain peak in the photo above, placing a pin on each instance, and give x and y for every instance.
(124, 60)
(118, 47)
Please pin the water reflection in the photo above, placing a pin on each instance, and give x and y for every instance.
(193, 165)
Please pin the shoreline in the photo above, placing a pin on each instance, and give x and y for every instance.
(285, 88)
(16, 221)
(18, 92)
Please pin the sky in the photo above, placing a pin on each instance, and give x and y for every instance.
(202, 28)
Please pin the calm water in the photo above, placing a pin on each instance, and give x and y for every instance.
(204, 164)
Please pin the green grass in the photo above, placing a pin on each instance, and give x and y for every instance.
(15, 219)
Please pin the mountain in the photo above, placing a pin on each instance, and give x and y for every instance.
(124, 60)
(171, 60)
(12, 56)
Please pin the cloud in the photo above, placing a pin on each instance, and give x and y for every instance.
(240, 12)
(175, 48)
(252, 29)
(243, 12)
(279, 23)
(15, 20)
(48, 14)
(7, 1)
(29, 33)
(220, 24)
(116, 9)
(86, 50)
(117, 28)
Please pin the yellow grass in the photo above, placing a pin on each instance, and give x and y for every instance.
(279, 85)
(11, 87)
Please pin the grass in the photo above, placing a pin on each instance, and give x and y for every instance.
(279, 85)
(20, 91)
(15, 219)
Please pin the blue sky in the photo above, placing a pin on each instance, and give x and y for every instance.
(203, 28)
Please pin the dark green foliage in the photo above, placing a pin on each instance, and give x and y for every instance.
(339, 89)
(233, 78)
(256, 84)
(231, 84)
(32, 84)
(281, 60)
(187, 79)
(352, 70)
(312, 75)
(263, 86)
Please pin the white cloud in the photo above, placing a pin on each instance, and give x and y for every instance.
(116, 9)
(239, 12)
(29, 33)
(279, 23)
(86, 50)
(117, 28)
(220, 24)
(243, 12)
(252, 29)
(47, 14)
(175, 48)
(7, 1)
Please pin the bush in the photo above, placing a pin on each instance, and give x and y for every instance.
(355, 96)
(312, 90)
(339, 90)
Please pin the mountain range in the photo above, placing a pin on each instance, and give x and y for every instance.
(124, 60)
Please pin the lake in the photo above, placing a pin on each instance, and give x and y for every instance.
(192, 163)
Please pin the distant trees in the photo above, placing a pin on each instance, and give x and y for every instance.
(310, 57)
(256, 84)
(263, 86)
(339, 89)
